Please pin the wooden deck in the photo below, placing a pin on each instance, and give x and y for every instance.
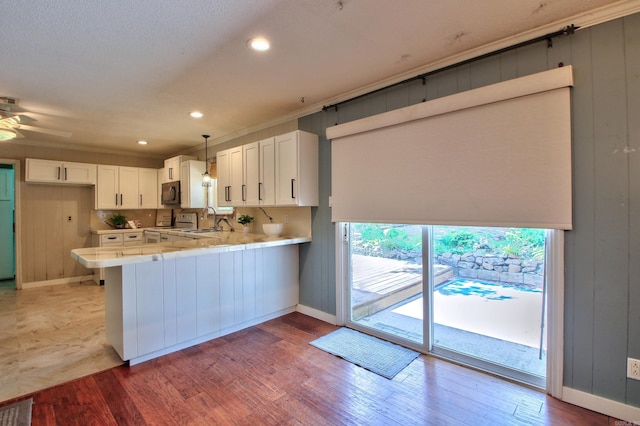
(379, 282)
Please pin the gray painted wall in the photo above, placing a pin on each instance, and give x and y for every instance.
(602, 254)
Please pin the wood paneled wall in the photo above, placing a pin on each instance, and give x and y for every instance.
(47, 234)
(602, 294)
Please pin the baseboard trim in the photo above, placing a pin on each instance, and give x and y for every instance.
(602, 405)
(59, 281)
(322, 316)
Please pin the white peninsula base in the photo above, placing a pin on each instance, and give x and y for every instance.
(158, 307)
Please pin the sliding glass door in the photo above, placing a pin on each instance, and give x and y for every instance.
(473, 294)
(489, 311)
(386, 276)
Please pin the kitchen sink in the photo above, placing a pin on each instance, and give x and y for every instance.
(199, 231)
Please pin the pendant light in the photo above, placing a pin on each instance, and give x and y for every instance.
(206, 178)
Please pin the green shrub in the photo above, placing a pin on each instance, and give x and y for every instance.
(523, 242)
(382, 239)
(458, 241)
(399, 239)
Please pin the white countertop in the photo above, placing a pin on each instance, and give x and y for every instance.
(204, 243)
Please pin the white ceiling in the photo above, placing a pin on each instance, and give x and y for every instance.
(115, 71)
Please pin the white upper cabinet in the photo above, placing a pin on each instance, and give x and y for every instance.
(296, 169)
(121, 187)
(230, 177)
(251, 174)
(117, 187)
(171, 170)
(47, 171)
(223, 170)
(267, 184)
(108, 188)
(236, 177)
(279, 171)
(148, 188)
(128, 181)
(192, 194)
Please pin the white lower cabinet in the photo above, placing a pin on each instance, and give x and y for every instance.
(115, 239)
(156, 308)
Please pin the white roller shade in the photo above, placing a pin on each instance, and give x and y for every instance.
(495, 156)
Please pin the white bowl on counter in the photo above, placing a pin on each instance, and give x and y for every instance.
(273, 229)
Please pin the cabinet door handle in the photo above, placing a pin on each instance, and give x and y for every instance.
(121, 199)
(59, 172)
(243, 193)
(116, 199)
(260, 191)
(170, 172)
(65, 173)
(292, 184)
(140, 200)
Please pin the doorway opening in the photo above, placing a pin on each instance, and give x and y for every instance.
(7, 227)
(473, 294)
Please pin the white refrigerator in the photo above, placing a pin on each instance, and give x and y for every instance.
(7, 236)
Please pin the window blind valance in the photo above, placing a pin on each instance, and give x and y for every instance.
(499, 155)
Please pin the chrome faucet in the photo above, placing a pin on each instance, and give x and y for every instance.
(206, 211)
(216, 220)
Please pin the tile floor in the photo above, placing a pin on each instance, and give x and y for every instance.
(51, 335)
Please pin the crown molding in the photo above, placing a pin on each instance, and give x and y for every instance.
(84, 148)
(584, 20)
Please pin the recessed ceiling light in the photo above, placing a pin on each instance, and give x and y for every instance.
(259, 43)
(142, 142)
(196, 114)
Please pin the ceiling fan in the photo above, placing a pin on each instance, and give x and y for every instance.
(11, 120)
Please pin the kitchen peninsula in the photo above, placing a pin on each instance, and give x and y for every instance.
(163, 297)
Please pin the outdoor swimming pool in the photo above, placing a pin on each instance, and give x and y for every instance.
(507, 313)
(490, 291)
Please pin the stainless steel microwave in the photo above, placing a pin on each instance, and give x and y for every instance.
(171, 193)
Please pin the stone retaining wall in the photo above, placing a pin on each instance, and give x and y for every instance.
(510, 270)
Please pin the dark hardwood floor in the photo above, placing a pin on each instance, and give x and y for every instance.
(270, 375)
